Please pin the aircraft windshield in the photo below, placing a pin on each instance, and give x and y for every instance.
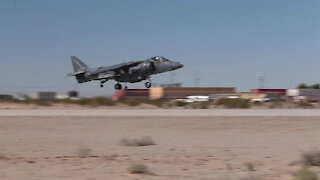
(159, 58)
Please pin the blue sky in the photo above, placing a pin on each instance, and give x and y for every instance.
(223, 42)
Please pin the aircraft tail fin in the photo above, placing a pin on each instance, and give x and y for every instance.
(78, 65)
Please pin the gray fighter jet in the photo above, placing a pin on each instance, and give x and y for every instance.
(127, 72)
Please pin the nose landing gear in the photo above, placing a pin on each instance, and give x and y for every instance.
(148, 84)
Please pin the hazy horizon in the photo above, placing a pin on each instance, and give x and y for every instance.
(221, 43)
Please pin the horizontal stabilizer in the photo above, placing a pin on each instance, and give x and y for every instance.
(75, 73)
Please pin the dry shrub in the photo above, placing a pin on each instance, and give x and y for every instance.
(144, 141)
(3, 157)
(110, 157)
(137, 168)
(233, 103)
(157, 102)
(311, 158)
(202, 105)
(131, 102)
(304, 105)
(84, 152)
(250, 166)
(305, 174)
(180, 103)
(275, 104)
(97, 101)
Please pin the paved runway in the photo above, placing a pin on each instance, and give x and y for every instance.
(166, 113)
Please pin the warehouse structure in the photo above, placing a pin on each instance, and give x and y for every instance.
(312, 95)
(172, 92)
(44, 95)
(270, 92)
(183, 92)
(131, 94)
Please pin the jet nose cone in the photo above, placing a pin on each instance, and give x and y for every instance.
(178, 65)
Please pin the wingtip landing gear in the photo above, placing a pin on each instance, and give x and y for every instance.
(102, 82)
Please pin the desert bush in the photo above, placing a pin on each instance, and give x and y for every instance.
(275, 104)
(311, 158)
(250, 166)
(233, 103)
(257, 103)
(84, 152)
(104, 101)
(180, 103)
(305, 174)
(157, 102)
(3, 157)
(66, 101)
(304, 105)
(202, 105)
(133, 102)
(42, 102)
(144, 141)
(137, 168)
(167, 105)
(110, 157)
(97, 101)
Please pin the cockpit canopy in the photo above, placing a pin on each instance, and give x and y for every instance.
(159, 59)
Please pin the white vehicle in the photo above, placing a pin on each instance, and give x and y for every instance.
(183, 100)
(233, 97)
(198, 98)
(261, 100)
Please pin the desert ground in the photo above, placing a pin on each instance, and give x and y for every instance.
(188, 144)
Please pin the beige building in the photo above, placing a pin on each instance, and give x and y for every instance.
(251, 96)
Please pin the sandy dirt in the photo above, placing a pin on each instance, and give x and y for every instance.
(215, 148)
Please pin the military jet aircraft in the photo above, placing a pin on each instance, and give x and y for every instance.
(127, 72)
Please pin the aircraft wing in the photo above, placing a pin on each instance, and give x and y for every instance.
(108, 75)
(115, 68)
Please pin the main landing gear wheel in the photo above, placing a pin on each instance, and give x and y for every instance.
(148, 84)
(101, 85)
(118, 86)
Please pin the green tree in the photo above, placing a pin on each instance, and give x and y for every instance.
(302, 86)
(315, 86)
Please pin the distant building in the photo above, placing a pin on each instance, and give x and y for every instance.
(73, 94)
(131, 94)
(183, 92)
(251, 96)
(303, 94)
(172, 93)
(276, 92)
(272, 94)
(44, 95)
